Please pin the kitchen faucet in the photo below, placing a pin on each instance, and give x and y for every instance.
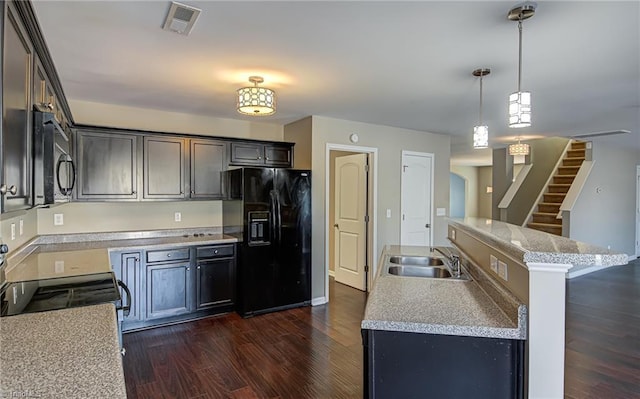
(454, 261)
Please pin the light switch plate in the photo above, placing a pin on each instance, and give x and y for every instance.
(177, 217)
(453, 234)
(493, 262)
(502, 270)
(21, 227)
(388, 213)
(441, 211)
(13, 231)
(59, 266)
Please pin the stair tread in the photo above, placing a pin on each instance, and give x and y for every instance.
(560, 184)
(545, 213)
(545, 224)
(563, 194)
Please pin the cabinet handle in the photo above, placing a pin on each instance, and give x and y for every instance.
(193, 192)
(168, 255)
(133, 192)
(267, 158)
(215, 251)
(259, 158)
(188, 268)
(3, 189)
(198, 267)
(11, 190)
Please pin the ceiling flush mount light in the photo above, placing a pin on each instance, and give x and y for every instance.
(256, 101)
(481, 132)
(520, 101)
(519, 148)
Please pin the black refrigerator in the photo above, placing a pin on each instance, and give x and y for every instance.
(273, 208)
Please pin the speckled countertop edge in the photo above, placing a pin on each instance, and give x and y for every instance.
(535, 246)
(117, 241)
(411, 304)
(68, 353)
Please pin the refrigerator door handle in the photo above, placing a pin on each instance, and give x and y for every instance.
(279, 221)
(273, 215)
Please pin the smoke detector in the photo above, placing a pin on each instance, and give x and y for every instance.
(181, 18)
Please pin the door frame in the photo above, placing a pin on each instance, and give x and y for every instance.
(372, 227)
(431, 156)
(637, 211)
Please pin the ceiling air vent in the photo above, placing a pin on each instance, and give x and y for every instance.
(181, 18)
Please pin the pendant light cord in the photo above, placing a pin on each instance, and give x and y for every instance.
(480, 116)
(519, 53)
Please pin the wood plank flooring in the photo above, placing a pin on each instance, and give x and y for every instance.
(317, 353)
(311, 352)
(602, 356)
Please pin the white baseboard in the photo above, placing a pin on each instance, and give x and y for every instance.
(332, 273)
(319, 301)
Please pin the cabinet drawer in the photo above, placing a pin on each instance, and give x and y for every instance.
(170, 255)
(218, 251)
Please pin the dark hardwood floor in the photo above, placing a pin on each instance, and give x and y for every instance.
(311, 352)
(317, 353)
(603, 334)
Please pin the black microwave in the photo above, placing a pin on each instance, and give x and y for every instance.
(54, 172)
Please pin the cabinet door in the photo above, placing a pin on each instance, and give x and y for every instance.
(207, 162)
(16, 113)
(278, 155)
(169, 292)
(126, 266)
(164, 167)
(247, 153)
(107, 166)
(215, 283)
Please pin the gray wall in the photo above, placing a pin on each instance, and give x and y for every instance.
(606, 217)
(544, 156)
(457, 196)
(485, 179)
(390, 143)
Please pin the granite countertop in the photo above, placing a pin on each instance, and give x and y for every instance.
(437, 306)
(69, 353)
(534, 246)
(77, 254)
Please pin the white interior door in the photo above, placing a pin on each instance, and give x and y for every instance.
(349, 224)
(416, 199)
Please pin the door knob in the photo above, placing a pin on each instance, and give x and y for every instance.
(336, 226)
(427, 225)
(11, 190)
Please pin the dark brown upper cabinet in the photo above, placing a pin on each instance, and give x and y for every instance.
(261, 154)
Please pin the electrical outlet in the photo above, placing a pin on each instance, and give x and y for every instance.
(502, 270)
(21, 227)
(177, 217)
(388, 213)
(58, 266)
(453, 234)
(58, 219)
(13, 231)
(493, 262)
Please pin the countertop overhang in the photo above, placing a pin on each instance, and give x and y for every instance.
(532, 246)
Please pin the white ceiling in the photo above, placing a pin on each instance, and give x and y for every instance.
(403, 64)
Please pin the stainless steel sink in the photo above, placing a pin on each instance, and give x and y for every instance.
(419, 271)
(416, 260)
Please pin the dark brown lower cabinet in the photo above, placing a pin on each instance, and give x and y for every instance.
(176, 284)
(414, 365)
(169, 290)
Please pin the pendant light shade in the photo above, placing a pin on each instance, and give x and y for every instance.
(520, 101)
(519, 148)
(256, 101)
(481, 131)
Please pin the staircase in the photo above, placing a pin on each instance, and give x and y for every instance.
(545, 218)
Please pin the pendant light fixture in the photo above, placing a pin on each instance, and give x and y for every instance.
(256, 101)
(520, 101)
(481, 131)
(519, 149)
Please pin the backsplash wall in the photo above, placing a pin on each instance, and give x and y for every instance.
(89, 217)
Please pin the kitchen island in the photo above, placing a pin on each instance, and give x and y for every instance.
(519, 294)
(69, 353)
(420, 332)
